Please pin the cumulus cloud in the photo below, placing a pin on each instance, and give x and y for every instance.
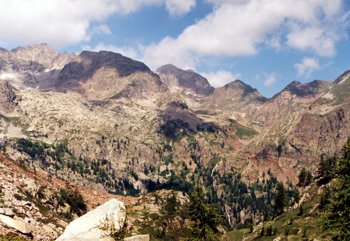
(242, 27)
(103, 28)
(270, 79)
(307, 66)
(63, 22)
(179, 7)
(220, 78)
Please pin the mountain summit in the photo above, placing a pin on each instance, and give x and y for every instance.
(185, 79)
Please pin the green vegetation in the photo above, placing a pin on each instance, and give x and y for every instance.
(339, 217)
(169, 223)
(243, 131)
(204, 217)
(324, 216)
(15, 121)
(280, 198)
(11, 237)
(71, 197)
(193, 220)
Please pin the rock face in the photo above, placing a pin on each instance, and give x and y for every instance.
(32, 66)
(7, 96)
(185, 84)
(138, 238)
(18, 225)
(187, 79)
(105, 74)
(86, 227)
(235, 100)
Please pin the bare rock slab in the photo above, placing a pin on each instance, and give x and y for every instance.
(19, 225)
(86, 227)
(138, 238)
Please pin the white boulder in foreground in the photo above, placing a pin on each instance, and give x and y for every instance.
(86, 226)
(19, 225)
(138, 238)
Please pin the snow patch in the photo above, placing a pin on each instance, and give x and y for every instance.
(7, 76)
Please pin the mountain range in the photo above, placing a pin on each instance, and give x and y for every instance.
(105, 121)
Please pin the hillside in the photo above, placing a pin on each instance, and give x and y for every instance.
(107, 122)
(35, 199)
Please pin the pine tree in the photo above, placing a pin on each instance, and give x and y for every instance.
(280, 198)
(301, 210)
(204, 217)
(340, 209)
(262, 233)
(269, 231)
(302, 178)
(309, 178)
(296, 195)
(266, 215)
(325, 170)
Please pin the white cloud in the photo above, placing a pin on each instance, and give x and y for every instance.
(126, 51)
(307, 66)
(319, 39)
(274, 42)
(103, 28)
(270, 79)
(220, 78)
(179, 7)
(241, 27)
(64, 22)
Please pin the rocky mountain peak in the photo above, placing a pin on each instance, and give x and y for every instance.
(104, 74)
(123, 65)
(238, 89)
(307, 89)
(41, 53)
(175, 77)
(342, 77)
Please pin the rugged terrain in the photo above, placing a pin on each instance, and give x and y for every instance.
(107, 122)
(30, 198)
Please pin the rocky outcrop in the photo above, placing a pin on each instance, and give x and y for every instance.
(185, 85)
(188, 80)
(16, 224)
(7, 96)
(88, 226)
(235, 100)
(106, 74)
(24, 217)
(138, 238)
(32, 66)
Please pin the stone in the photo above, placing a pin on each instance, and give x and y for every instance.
(106, 239)
(86, 227)
(18, 225)
(31, 187)
(7, 95)
(138, 238)
(64, 209)
(7, 212)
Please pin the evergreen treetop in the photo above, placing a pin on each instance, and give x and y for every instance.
(205, 218)
(340, 203)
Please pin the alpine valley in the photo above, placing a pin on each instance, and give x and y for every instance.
(106, 122)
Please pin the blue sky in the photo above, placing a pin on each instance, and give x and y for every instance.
(265, 43)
